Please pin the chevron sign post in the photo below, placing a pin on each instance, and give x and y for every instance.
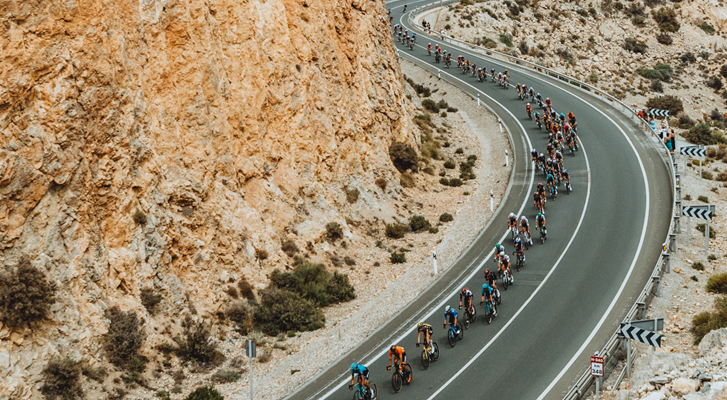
(642, 335)
(702, 212)
(694, 151)
(659, 113)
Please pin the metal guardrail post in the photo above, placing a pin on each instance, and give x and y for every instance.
(642, 306)
(677, 220)
(667, 262)
(655, 279)
(673, 239)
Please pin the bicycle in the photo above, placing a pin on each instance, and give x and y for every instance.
(402, 375)
(453, 336)
(489, 311)
(429, 353)
(543, 235)
(362, 394)
(470, 316)
(553, 191)
(506, 278)
(520, 260)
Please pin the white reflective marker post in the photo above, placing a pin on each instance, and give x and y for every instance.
(507, 159)
(250, 351)
(492, 201)
(434, 260)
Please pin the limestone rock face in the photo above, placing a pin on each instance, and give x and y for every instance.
(229, 125)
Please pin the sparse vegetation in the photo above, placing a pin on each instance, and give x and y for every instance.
(289, 248)
(404, 157)
(664, 38)
(124, 340)
(688, 58)
(700, 134)
(506, 40)
(635, 46)
(406, 180)
(246, 289)
(395, 230)
(62, 380)
(666, 19)
(703, 199)
(669, 102)
(150, 299)
(281, 310)
(242, 313)
(446, 217)
(352, 195)
(707, 28)
(418, 223)
(205, 393)
(139, 217)
(225, 376)
(712, 231)
(314, 283)
(398, 258)
(698, 266)
(714, 82)
(195, 345)
(381, 183)
(25, 295)
(334, 231)
(706, 321)
(717, 283)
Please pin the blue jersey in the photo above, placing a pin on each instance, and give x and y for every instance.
(452, 315)
(549, 178)
(486, 289)
(360, 369)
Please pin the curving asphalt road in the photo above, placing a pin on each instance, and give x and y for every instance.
(604, 239)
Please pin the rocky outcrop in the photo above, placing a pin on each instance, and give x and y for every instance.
(225, 127)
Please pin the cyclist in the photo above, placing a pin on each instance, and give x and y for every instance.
(512, 223)
(538, 201)
(540, 221)
(487, 292)
(363, 377)
(429, 49)
(539, 98)
(525, 90)
(566, 177)
(451, 314)
(518, 88)
(467, 295)
(529, 110)
(404, 8)
(505, 264)
(534, 155)
(558, 158)
(427, 330)
(548, 103)
(399, 355)
(550, 182)
(520, 247)
(413, 37)
(498, 249)
(525, 229)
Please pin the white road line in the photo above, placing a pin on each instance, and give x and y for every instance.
(532, 296)
(643, 231)
(528, 145)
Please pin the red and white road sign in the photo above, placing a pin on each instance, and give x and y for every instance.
(596, 366)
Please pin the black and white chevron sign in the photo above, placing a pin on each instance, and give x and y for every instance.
(701, 212)
(693, 151)
(659, 113)
(642, 335)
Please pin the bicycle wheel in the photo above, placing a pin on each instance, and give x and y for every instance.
(408, 374)
(504, 281)
(396, 382)
(461, 331)
(542, 237)
(358, 394)
(474, 314)
(425, 358)
(466, 321)
(489, 314)
(435, 351)
(450, 337)
(375, 390)
(498, 298)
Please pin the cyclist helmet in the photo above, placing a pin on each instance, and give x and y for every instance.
(497, 246)
(487, 272)
(467, 289)
(392, 348)
(537, 113)
(353, 366)
(540, 184)
(512, 215)
(540, 214)
(518, 240)
(528, 104)
(502, 254)
(447, 308)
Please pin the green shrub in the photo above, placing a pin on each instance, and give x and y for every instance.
(195, 345)
(703, 199)
(205, 393)
(62, 380)
(707, 28)
(717, 283)
(124, 340)
(455, 182)
(444, 181)
(666, 19)
(398, 258)
(698, 266)
(699, 134)
(593, 77)
(489, 43)
(334, 231)
(433, 229)
(449, 164)
(314, 283)
(685, 121)
(712, 231)
(281, 310)
(25, 295)
(241, 313)
(404, 157)
(635, 46)
(443, 114)
(506, 40)
(97, 374)
(706, 321)
(406, 180)
(714, 82)
(352, 195)
(289, 248)
(150, 299)
(459, 151)
(225, 376)
(430, 105)
(395, 231)
(664, 38)
(711, 257)
(694, 278)
(139, 217)
(418, 223)
(163, 395)
(656, 86)
(446, 217)
(669, 102)
(688, 58)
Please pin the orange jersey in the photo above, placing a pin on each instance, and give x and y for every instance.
(398, 351)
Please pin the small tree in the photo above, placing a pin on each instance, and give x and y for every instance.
(62, 380)
(205, 393)
(666, 18)
(25, 295)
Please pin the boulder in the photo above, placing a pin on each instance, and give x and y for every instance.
(717, 337)
(684, 386)
(655, 396)
(659, 380)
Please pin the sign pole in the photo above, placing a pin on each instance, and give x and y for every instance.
(628, 358)
(706, 238)
(598, 380)
(251, 392)
(689, 223)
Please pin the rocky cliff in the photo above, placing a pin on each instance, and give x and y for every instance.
(176, 144)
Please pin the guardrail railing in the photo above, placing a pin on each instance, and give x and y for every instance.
(610, 351)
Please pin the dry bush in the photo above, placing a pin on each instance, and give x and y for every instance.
(150, 299)
(62, 380)
(232, 292)
(395, 231)
(124, 340)
(25, 295)
(404, 157)
(349, 261)
(381, 183)
(241, 313)
(352, 195)
(717, 283)
(246, 289)
(289, 248)
(706, 321)
(196, 345)
(407, 180)
(261, 254)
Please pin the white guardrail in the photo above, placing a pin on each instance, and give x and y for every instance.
(615, 343)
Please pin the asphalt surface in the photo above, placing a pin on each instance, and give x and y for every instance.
(604, 239)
